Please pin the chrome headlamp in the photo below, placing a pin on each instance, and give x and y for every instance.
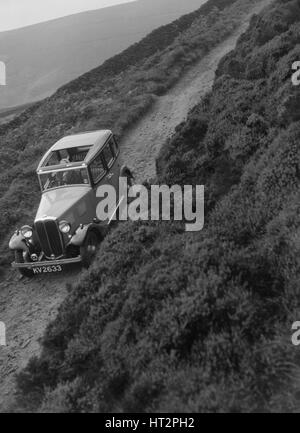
(64, 227)
(26, 232)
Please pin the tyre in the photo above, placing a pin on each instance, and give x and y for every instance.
(89, 249)
(19, 258)
(130, 178)
(126, 172)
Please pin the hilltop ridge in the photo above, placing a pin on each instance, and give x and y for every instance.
(42, 57)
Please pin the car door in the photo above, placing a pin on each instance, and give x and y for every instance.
(110, 154)
(105, 169)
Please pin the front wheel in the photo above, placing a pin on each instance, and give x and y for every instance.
(89, 249)
(19, 258)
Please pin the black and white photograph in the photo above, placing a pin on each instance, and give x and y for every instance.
(149, 209)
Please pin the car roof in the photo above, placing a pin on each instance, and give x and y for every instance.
(94, 139)
(82, 139)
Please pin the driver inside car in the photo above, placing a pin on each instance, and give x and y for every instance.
(72, 177)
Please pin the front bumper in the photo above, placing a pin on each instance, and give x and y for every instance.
(32, 265)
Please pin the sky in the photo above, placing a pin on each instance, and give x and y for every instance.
(21, 13)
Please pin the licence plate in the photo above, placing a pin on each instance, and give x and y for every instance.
(47, 269)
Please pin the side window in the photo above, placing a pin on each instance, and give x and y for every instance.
(108, 155)
(97, 169)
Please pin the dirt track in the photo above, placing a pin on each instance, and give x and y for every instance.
(27, 306)
(142, 143)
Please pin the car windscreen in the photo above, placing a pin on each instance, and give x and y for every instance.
(61, 178)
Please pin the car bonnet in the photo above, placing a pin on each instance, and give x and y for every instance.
(60, 202)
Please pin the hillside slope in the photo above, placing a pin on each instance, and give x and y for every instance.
(43, 57)
(28, 324)
(166, 321)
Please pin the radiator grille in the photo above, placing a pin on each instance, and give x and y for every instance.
(50, 238)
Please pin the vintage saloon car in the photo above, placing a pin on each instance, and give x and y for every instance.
(66, 229)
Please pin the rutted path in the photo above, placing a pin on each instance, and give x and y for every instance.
(27, 306)
(142, 143)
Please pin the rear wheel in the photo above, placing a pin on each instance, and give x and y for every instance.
(19, 258)
(125, 172)
(130, 177)
(89, 249)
